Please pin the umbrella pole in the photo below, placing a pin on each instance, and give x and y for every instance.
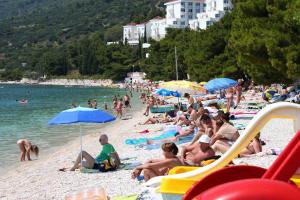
(80, 146)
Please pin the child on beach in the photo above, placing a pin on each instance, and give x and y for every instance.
(26, 147)
(159, 167)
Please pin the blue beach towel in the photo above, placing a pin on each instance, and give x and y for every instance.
(144, 140)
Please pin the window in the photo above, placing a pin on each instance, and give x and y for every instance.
(175, 22)
(182, 3)
(208, 23)
(182, 23)
(198, 10)
(190, 16)
(182, 9)
(182, 16)
(226, 1)
(190, 10)
(197, 4)
(226, 8)
(204, 5)
(190, 4)
(217, 15)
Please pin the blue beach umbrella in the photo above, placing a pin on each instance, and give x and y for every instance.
(175, 94)
(164, 92)
(81, 115)
(219, 84)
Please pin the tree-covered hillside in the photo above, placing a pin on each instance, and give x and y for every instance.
(258, 39)
(53, 25)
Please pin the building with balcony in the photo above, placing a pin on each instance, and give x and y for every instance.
(156, 28)
(215, 10)
(180, 12)
(132, 33)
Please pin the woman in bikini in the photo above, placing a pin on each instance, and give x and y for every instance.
(26, 147)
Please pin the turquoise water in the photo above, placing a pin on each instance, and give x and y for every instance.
(30, 120)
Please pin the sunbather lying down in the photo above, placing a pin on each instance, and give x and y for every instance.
(153, 120)
(194, 154)
(159, 167)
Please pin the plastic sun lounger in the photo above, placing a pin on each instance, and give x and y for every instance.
(282, 169)
(174, 186)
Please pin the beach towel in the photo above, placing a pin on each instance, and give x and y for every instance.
(127, 197)
(91, 193)
(239, 126)
(244, 113)
(157, 145)
(144, 140)
(130, 165)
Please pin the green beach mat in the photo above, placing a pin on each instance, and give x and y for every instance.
(128, 197)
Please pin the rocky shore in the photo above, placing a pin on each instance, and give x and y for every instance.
(65, 82)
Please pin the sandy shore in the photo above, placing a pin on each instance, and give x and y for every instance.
(40, 179)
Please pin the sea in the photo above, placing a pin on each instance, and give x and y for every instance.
(29, 120)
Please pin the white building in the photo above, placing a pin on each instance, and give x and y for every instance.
(133, 33)
(156, 28)
(136, 77)
(179, 12)
(195, 14)
(215, 10)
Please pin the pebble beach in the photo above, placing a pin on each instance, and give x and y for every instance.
(40, 179)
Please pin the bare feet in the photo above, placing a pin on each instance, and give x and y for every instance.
(62, 169)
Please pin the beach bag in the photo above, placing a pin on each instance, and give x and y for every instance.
(107, 165)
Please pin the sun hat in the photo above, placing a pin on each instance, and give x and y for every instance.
(204, 139)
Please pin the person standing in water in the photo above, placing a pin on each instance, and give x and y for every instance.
(127, 101)
(119, 108)
(26, 147)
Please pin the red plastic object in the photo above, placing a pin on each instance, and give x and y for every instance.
(222, 176)
(282, 169)
(285, 166)
(252, 189)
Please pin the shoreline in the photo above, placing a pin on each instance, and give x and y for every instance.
(62, 156)
(64, 82)
(43, 180)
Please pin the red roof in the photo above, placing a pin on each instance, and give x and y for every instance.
(131, 24)
(158, 17)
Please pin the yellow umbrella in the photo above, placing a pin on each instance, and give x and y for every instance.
(183, 86)
(202, 83)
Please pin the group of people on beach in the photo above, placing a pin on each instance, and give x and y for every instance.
(210, 126)
(119, 104)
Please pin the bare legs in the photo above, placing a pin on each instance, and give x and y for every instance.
(149, 173)
(90, 161)
(23, 152)
(220, 146)
(229, 102)
(147, 110)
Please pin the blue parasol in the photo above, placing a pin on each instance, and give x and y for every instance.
(81, 115)
(219, 84)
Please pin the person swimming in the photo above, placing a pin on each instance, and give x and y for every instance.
(26, 147)
(22, 101)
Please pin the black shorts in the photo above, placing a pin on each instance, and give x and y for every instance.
(98, 166)
(126, 103)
